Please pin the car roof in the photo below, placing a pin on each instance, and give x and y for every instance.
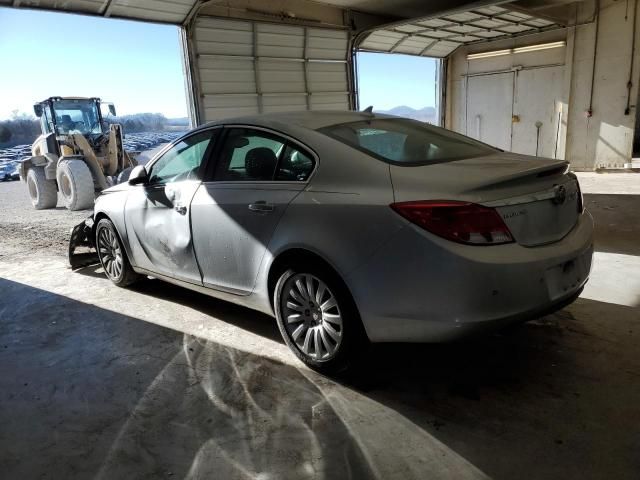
(312, 120)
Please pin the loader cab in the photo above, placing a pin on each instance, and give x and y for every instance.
(65, 116)
(46, 123)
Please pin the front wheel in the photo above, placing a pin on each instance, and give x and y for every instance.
(112, 255)
(75, 183)
(318, 319)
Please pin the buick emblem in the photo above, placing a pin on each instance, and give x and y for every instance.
(559, 194)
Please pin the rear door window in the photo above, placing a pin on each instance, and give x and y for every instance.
(295, 165)
(250, 155)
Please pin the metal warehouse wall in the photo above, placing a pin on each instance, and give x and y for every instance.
(602, 140)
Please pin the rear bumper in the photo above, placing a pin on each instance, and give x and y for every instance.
(420, 288)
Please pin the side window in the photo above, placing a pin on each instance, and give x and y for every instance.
(248, 155)
(182, 161)
(295, 165)
(387, 144)
(46, 119)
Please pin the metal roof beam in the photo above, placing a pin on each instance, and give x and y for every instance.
(424, 35)
(105, 10)
(426, 49)
(452, 32)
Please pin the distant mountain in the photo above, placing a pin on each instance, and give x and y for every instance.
(426, 114)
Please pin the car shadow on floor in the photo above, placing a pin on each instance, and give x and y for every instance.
(111, 396)
(247, 319)
(541, 391)
(544, 386)
(256, 322)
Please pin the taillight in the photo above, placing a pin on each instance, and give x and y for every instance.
(457, 221)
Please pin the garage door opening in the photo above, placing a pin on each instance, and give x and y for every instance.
(402, 85)
(136, 65)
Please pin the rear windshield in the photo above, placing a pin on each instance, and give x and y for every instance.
(406, 142)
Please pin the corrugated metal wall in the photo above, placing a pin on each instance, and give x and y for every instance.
(244, 67)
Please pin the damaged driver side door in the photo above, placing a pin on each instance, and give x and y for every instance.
(158, 213)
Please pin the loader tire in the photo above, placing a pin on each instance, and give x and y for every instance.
(75, 183)
(42, 192)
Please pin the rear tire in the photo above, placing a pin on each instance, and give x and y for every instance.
(43, 192)
(76, 184)
(112, 255)
(319, 320)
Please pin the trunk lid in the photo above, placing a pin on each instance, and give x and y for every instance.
(535, 197)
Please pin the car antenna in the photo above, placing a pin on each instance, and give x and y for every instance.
(368, 110)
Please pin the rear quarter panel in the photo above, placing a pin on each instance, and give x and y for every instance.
(342, 215)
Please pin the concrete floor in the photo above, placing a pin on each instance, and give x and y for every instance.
(160, 382)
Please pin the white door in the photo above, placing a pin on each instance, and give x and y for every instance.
(538, 94)
(489, 103)
(157, 214)
(517, 111)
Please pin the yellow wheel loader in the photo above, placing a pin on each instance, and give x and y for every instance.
(76, 154)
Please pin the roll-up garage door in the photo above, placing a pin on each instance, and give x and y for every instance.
(244, 67)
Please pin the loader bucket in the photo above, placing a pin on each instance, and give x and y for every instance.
(82, 238)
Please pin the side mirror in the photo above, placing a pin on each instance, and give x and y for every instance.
(138, 176)
(37, 109)
(112, 109)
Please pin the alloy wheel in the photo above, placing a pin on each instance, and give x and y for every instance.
(110, 253)
(65, 186)
(312, 316)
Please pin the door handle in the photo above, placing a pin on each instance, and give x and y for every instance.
(181, 209)
(261, 207)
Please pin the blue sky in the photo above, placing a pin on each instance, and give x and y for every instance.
(387, 81)
(138, 65)
(135, 65)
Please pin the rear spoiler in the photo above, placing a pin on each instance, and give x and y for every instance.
(560, 167)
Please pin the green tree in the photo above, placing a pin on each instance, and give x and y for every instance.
(5, 134)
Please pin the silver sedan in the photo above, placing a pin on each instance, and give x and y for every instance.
(350, 228)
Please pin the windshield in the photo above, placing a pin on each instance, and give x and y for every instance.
(76, 116)
(406, 142)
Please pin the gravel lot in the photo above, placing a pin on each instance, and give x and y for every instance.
(24, 229)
